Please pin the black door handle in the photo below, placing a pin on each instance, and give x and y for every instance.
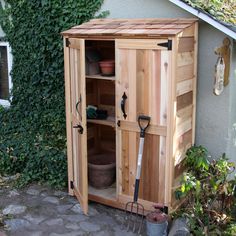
(122, 105)
(81, 129)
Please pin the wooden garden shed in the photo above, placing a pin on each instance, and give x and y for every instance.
(155, 75)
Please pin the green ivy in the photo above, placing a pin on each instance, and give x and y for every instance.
(32, 130)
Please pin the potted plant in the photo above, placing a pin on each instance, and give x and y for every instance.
(156, 222)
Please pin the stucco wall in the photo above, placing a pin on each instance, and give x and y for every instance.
(232, 125)
(215, 114)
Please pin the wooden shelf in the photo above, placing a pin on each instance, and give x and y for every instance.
(110, 121)
(99, 76)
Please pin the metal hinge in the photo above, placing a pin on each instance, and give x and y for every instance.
(165, 209)
(67, 42)
(118, 123)
(168, 45)
(71, 184)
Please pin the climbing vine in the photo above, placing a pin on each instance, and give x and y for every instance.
(32, 130)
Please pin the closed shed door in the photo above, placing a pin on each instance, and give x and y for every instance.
(76, 132)
(142, 72)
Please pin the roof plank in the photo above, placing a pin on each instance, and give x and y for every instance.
(129, 27)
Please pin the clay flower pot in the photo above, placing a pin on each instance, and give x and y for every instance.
(102, 170)
(107, 67)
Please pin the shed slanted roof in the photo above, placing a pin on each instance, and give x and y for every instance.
(118, 28)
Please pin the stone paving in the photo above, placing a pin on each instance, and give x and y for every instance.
(41, 211)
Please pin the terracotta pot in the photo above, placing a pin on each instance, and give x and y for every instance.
(102, 170)
(107, 67)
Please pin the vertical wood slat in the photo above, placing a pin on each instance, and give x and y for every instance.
(150, 176)
(143, 79)
(195, 80)
(155, 87)
(171, 136)
(68, 116)
(133, 152)
(119, 173)
(83, 150)
(125, 166)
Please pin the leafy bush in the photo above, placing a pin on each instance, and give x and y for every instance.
(32, 131)
(210, 195)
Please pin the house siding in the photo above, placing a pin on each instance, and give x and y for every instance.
(232, 114)
(216, 115)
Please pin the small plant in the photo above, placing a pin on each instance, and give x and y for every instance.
(209, 194)
(157, 216)
(156, 221)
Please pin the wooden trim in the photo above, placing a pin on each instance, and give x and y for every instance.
(84, 124)
(152, 129)
(74, 43)
(162, 169)
(148, 206)
(121, 202)
(81, 200)
(141, 44)
(118, 131)
(171, 144)
(68, 116)
(106, 201)
(195, 82)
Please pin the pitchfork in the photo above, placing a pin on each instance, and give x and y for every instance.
(133, 209)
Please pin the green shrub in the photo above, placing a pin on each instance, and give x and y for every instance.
(32, 131)
(223, 10)
(209, 194)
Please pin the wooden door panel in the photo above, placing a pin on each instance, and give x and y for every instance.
(142, 73)
(78, 121)
(151, 181)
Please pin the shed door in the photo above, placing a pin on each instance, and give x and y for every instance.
(78, 120)
(142, 70)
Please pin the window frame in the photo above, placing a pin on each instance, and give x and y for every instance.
(3, 102)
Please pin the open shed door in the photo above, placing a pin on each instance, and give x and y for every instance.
(76, 120)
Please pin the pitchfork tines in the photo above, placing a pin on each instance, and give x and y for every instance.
(134, 216)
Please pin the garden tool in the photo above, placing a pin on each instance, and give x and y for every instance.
(133, 209)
